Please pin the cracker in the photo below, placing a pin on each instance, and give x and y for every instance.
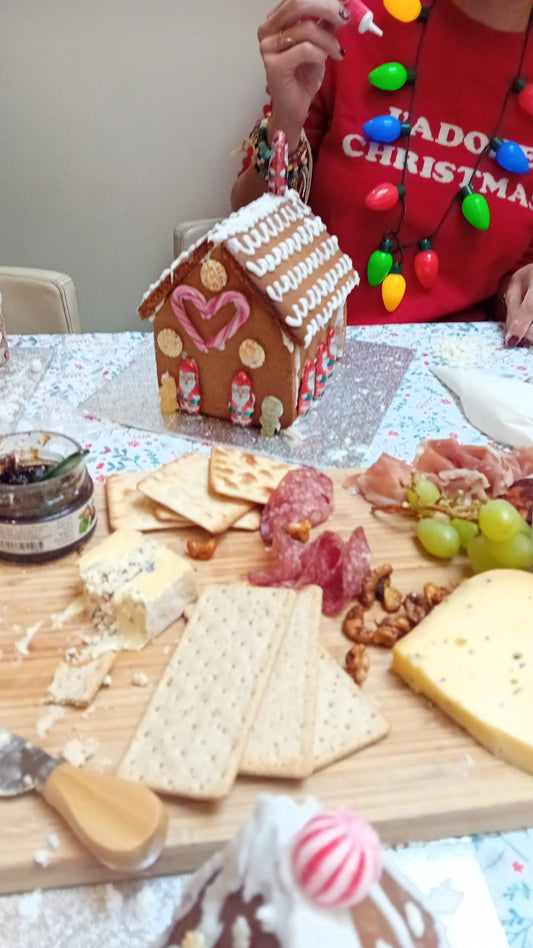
(250, 521)
(191, 738)
(346, 721)
(241, 474)
(183, 486)
(78, 684)
(280, 743)
(127, 507)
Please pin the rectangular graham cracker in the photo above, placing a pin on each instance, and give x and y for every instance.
(241, 474)
(280, 742)
(127, 507)
(191, 738)
(183, 486)
(78, 684)
(346, 721)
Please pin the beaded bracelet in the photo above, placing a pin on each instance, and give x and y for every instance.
(299, 165)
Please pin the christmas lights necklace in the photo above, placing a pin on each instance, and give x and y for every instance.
(383, 268)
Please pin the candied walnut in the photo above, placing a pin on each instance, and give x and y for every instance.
(392, 599)
(201, 550)
(378, 578)
(299, 531)
(416, 607)
(357, 663)
(353, 623)
(435, 594)
(391, 629)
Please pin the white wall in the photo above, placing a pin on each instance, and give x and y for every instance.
(117, 121)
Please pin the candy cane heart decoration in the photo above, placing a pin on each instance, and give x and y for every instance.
(337, 858)
(207, 310)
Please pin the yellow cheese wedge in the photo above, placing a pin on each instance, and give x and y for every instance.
(473, 657)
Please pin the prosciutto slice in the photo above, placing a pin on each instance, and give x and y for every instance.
(477, 470)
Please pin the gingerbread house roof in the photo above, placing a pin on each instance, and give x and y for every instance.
(286, 252)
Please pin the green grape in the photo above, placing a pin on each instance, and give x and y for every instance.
(479, 554)
(466, 530)
(516, 553)
(423, 492)
(499, 520)
(438, 537)
(525, 528)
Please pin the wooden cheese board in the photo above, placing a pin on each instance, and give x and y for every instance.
(427, 779)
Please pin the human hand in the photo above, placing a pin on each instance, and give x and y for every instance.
(295, 41)
(519, 304)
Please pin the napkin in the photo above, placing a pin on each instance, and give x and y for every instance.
(500, 407)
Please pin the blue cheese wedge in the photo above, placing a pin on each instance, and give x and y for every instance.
(133, 589)
(473, 657)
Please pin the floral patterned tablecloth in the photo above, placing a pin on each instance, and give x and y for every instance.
(421, 407)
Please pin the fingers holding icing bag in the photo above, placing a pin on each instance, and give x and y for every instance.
(295, 41)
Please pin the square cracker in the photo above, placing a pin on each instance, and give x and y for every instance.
(241, 474)
(346, 721)
(280, 742)
(78, 684)
(191, 738)
(183, 486)
(249, 521)
(127, 507)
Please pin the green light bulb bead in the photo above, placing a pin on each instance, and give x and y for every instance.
(380, 263)
(390, 76)
(475, 208)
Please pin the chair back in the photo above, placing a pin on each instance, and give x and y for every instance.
(38, 301)
(188, 232)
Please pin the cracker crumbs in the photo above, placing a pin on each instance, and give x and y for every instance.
(78, 750)
(140, 680)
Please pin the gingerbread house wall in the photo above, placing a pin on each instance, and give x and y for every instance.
(278, 374)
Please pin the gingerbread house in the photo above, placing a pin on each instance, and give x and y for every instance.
(249, 322)
(298, 877)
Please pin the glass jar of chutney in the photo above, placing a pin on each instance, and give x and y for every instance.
(46, 496)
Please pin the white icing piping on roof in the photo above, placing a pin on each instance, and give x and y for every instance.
(302, 236)
(319, 291)
(336, 301)
(294, 277)
(393, 917)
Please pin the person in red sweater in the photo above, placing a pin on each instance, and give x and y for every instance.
(459, 106)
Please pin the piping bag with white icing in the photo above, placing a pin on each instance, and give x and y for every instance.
(501, 407)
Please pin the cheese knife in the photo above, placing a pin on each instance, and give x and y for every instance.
(122, 823)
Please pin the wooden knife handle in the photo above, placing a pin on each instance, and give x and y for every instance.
(123, 824)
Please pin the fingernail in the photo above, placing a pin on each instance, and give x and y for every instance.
(344, 15)
(512, 341)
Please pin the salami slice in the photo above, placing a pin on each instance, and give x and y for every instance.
(303, 494)
(336, 565)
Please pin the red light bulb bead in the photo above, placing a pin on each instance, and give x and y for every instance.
(426, 264)
(524, 90)
(384, 196)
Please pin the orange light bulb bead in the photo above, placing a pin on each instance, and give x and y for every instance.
(404, 10)
(393, 288)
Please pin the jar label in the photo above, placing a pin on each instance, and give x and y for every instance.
(48, 536)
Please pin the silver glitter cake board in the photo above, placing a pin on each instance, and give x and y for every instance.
(335, 433)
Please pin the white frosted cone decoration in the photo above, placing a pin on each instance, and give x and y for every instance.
(336, 859)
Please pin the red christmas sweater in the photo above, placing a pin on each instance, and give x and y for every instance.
(464, 70)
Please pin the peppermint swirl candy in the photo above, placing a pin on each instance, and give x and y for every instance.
(337, 858)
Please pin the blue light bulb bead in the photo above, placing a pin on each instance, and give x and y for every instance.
(509, 155)
(385, 128)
